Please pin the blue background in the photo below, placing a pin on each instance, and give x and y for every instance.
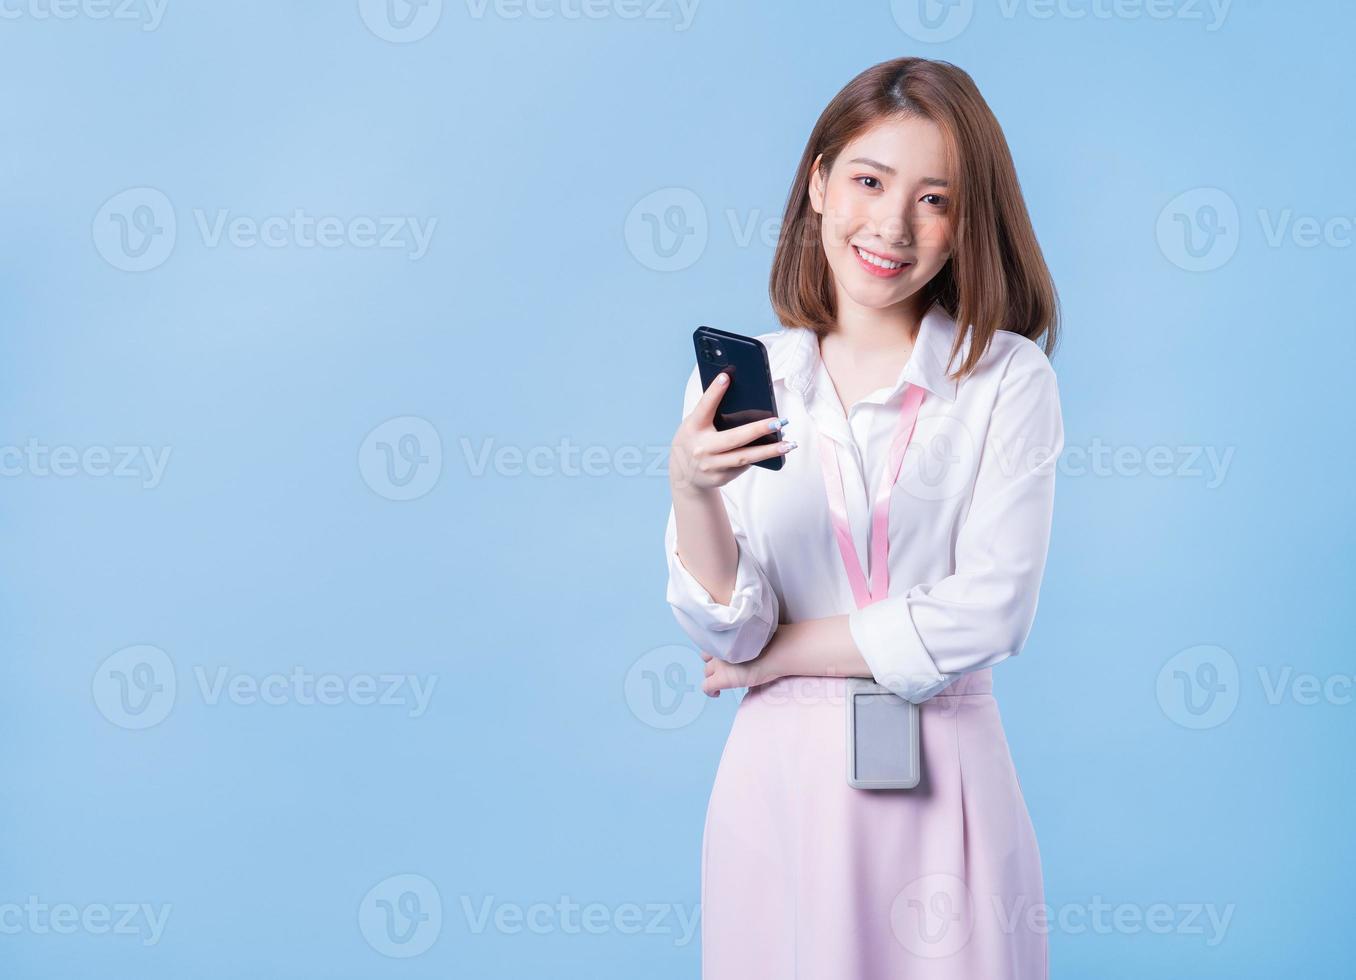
(540, 769)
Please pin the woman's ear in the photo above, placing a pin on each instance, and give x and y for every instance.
(817, 186)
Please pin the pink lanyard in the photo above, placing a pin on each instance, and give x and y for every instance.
(879, 541)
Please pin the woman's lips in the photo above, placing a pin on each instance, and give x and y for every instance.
(876, 270)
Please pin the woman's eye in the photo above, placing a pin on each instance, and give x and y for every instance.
(937, 200)
(868, 177)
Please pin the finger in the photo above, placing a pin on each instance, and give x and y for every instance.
(705, 655)
(704, 412)
(747, 456)
(742, 435)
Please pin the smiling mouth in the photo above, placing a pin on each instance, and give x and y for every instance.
(878, 263)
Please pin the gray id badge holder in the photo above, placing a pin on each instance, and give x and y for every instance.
(882, 737)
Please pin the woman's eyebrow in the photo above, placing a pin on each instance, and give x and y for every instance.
(930, 181)
(872, 163)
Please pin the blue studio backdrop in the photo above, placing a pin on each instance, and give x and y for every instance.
(342, 346)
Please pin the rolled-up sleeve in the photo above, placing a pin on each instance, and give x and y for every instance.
(919, 642)
(740, 630)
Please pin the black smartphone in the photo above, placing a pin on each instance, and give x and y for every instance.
(749, 397)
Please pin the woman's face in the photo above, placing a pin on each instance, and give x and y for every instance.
(886, 202)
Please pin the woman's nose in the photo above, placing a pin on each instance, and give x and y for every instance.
(893, 227)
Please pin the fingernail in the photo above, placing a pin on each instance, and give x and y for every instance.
(775, 424)
(787, 445)
(722, 378)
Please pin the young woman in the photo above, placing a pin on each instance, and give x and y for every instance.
(904, 222)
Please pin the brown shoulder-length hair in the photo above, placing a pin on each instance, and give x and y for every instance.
(996, 278)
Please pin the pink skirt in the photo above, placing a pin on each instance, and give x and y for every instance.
(807, 878)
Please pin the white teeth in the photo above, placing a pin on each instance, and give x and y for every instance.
(875, 260)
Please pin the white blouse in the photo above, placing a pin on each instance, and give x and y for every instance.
(969, 518)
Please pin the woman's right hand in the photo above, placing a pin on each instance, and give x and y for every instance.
(704, 458)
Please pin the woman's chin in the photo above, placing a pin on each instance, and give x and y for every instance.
(878, 296)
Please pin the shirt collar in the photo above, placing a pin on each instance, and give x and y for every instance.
(796, 359)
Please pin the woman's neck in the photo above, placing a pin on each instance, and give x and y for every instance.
(861, 333)
(867, 349)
